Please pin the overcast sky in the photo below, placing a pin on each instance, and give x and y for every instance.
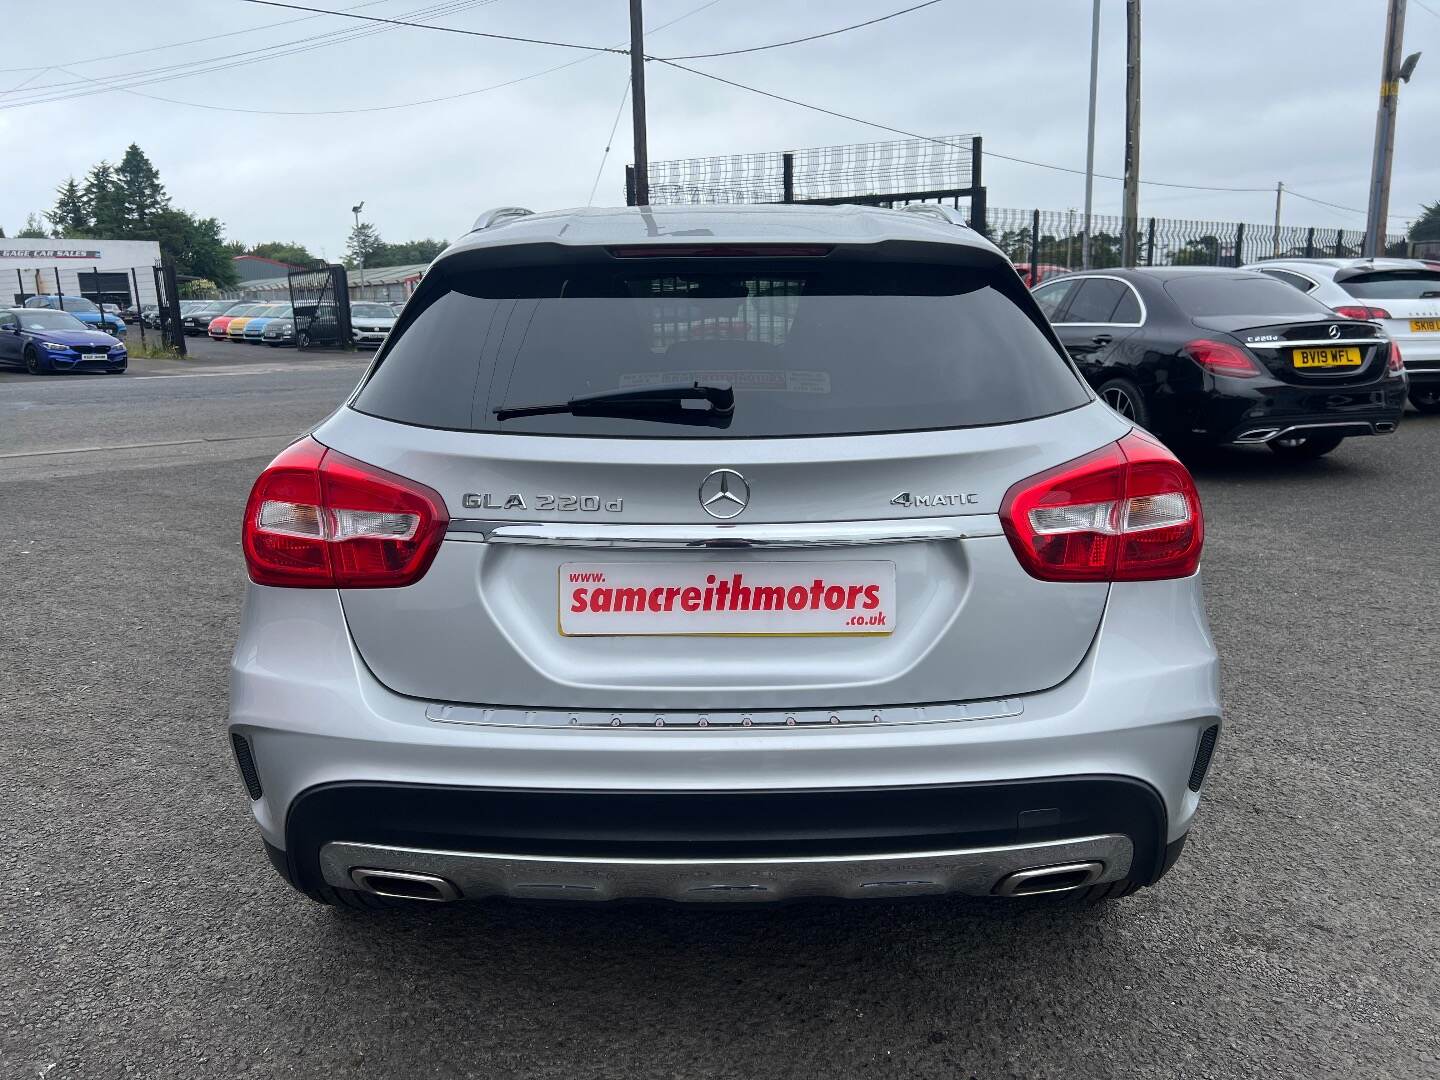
(1237, 93)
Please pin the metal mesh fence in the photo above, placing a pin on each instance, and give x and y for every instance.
(1053, 239)
(819, 174)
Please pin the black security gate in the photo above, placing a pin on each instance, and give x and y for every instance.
(321, 299)
(167, 292)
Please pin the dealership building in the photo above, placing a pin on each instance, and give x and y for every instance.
(113, 271)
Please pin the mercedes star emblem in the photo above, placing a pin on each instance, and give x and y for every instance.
(724, 493)
(1334, 329)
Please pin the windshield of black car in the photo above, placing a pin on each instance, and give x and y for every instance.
(811, 347)
(1394, 285)
(1245, 293)
(44, 319)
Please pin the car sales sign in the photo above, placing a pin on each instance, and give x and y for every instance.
(753, 598)
(48, 253)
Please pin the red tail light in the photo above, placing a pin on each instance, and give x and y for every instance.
(1127, 512)
(1357, 311)
(1222, 358)
(317, 519)
(1396, 364)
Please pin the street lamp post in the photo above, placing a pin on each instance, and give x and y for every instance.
(360, 251)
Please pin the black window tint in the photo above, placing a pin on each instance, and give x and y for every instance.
(1200, 295)
(1395, 285)
(1096, 301)
(847, 345)
(1052, 297)
(1128, 309)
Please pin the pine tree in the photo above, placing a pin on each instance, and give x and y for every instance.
(34, 229)
(70, 215)
(363, 244)
(104, 201)
(142, 195)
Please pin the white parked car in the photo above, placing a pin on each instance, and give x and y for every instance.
(1403, 295)
(371, 321)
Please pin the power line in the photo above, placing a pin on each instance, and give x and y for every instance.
(1427, 7)
(800, 40)
(609, 139)
(368, 108)
(986, 152)
(171, 72)
(446, 29)
(191, 41)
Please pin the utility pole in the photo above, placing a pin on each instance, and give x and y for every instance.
(637, 103)
(1090, 136)
(1392, 70)
(1279, 191)
(1130, 233)
(360, 251)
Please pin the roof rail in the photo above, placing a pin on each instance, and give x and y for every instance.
(936, 210)
(499, 216)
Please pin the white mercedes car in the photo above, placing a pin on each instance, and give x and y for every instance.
(1403, 295)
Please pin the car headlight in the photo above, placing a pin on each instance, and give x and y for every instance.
(117, 348)
(54, 345)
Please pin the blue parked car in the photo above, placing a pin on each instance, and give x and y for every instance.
(43, 341)
(255, 327)
(84, 310)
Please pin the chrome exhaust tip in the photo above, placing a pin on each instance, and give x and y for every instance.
(1384, 427)
(1259, 435)
(1050, 879)
(399, 885)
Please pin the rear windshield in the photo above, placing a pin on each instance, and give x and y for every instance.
(1247, 293)
(1394, 285)
(828, 346)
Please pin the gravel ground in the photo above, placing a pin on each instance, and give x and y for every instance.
(144, 935)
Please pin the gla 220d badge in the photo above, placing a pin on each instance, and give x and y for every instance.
(591, 504)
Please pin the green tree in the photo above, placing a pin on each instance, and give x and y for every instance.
(236, 247)
(1202, 252)
(364, 242)
(104, 201)
(1427, 225)
(412, 251)
(71, 216)
(196, 244)
(286, 251)
(142, 196)
(34, 229)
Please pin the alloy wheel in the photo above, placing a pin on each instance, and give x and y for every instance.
(1119, 400)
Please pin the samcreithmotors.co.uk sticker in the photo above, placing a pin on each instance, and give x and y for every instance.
(708, 598)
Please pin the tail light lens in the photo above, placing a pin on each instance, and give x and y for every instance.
(317, 519)
(1359, 311)
(1397, 363)
(1222, 358)
(1127, 512)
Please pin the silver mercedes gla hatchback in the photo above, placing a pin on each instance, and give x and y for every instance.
(723, 554)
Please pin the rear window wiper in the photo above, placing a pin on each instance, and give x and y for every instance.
(663, 403)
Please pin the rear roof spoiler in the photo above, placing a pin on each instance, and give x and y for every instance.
(501, 215)
(936, 210)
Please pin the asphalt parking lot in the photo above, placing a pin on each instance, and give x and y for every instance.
(145, 936)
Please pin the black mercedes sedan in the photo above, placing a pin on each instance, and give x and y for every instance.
(1211, 356)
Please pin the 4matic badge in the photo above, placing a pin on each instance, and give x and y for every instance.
(955, 498)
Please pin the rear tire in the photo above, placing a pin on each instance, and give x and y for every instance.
(1305, 447)
(1125, 398)
(1426, 399)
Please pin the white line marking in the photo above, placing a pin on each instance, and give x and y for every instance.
(146, 445)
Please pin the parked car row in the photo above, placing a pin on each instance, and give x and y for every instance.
(1295, 355)
(274, 323)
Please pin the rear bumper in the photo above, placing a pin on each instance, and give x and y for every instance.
(339, 758)
(1237, 411)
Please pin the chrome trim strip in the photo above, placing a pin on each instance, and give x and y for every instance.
(1247, 439)
(975, 871)
(1316, 341)
(723, 720)
(771, 535)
